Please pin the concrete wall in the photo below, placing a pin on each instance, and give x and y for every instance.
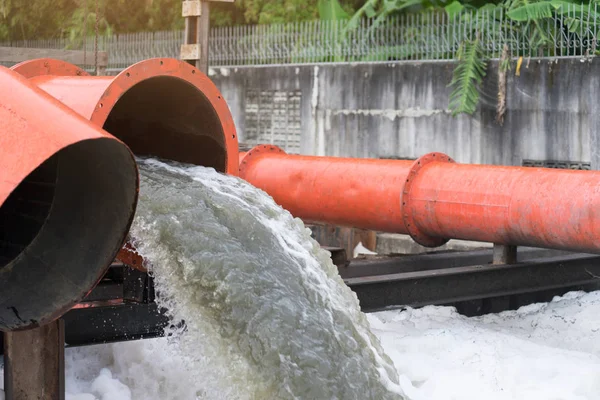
(400, 110)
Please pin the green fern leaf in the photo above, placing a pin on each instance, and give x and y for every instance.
(467, 77)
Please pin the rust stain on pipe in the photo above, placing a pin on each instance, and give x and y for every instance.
(434, 199)
(128, 255)
(68, 192)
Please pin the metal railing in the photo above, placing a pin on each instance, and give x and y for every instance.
(426, 36)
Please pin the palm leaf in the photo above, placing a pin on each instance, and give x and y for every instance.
(467, 77)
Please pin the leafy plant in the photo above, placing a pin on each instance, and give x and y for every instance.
(468, 75)
(540, 22)
(331, 10)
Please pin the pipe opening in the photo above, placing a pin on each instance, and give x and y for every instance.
(169, 118)
(26, 210)
(64, 224)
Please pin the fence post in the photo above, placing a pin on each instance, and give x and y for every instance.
(197, 30)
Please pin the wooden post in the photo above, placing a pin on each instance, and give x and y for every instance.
(197, 30)
(203, 32)
(34, 363)
(504, 254)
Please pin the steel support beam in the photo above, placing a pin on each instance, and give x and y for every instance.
(444, 278)
(450, 285)
(420, 263)
(117, 323)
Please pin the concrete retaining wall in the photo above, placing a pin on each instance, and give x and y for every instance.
(399, 110)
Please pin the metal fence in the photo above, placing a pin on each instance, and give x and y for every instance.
(426, 36)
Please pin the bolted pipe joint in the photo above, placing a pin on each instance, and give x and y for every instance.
(434, 199)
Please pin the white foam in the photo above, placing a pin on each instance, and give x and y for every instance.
(539, 352)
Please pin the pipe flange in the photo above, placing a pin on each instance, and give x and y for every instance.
(47, 66)
(407, 213)
(256, 151)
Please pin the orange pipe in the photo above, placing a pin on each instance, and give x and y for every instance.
(362, 193)
(241, 155)
(160, 107)
(68, 192)
(434, 199)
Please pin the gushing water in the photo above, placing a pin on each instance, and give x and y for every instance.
(266, 314)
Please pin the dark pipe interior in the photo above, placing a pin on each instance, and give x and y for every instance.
(26, 209)
(61, 228)
(169, 118)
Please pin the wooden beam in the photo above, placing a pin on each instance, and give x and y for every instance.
(19, 54)
(190, 52)
(34, 363)
(191, 8)
(197, 30)
(202, 37)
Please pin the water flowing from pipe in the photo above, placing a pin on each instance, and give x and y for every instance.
(265, 310)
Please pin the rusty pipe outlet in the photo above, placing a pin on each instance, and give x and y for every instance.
(159, 107)
(434, 199)
(68, 192)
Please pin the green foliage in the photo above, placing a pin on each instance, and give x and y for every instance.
(275, 12)
(379, 10)
(533, 19)
(20, 20)
(468, 75)
(83, 23)
(49, 19)
(331, 10)
(454, 9)
(527, 11)
(223, 14)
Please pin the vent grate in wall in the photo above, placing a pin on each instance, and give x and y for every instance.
(274, 117)
(557, 164)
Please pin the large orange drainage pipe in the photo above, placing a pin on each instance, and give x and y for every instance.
(434, 199)
(160, 107)
(68, 192)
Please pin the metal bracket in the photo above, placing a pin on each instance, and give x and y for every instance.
(504, 254)
(190, 52)
(191, 8)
